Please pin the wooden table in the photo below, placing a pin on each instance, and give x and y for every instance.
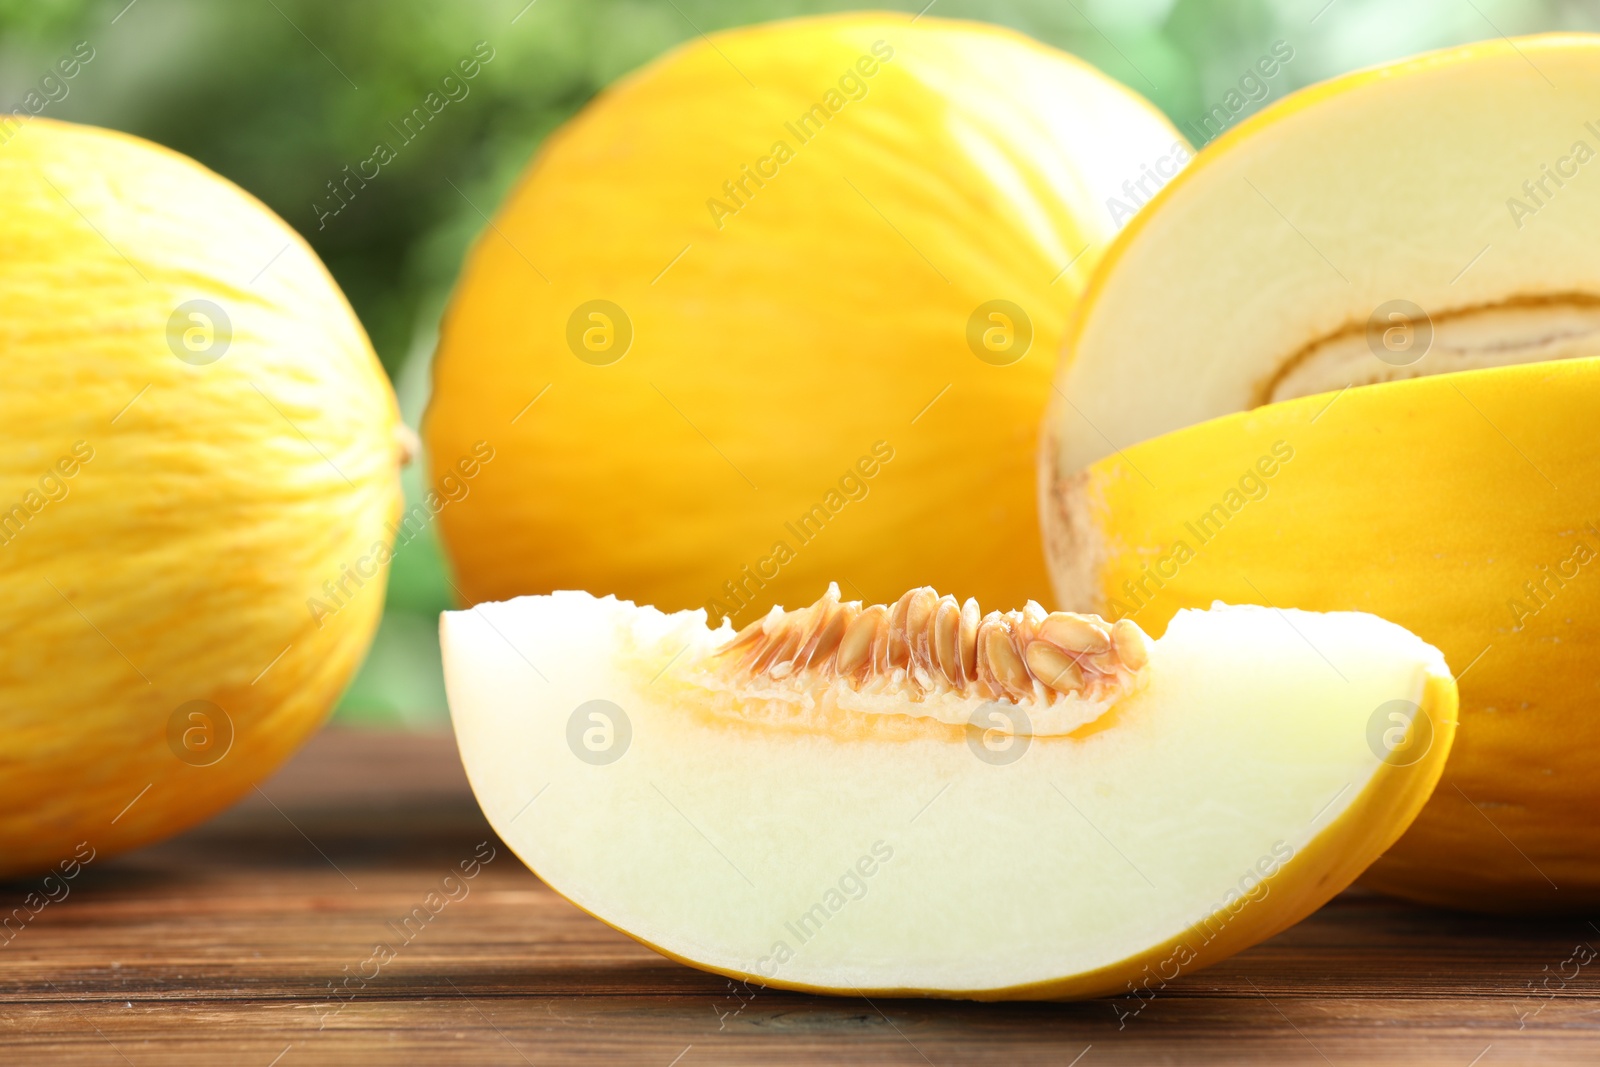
(226, 945)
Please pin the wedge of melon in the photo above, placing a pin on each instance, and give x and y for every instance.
(921, 799)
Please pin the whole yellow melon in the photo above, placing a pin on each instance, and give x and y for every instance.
(199, 456)
(782, 308)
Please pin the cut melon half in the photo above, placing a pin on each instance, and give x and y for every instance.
(1371, 305)
(921, 799)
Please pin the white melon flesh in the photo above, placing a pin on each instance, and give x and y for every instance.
(1428, 194)
(1230, 794)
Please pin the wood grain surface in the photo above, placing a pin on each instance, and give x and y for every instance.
(251, 941)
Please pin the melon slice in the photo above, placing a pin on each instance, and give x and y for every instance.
(920, 799)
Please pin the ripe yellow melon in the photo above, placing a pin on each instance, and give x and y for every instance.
(919, 798)
(195, 436)
(1390, 282)
(782, 308)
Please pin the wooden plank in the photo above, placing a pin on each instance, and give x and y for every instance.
(237, 943)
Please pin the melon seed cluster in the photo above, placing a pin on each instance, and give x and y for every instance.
(940, 647)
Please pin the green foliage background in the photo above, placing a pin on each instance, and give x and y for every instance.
(280, 95)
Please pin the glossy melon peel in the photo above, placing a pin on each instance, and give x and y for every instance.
(726, 807)
(799, 371)
(207, 502)
(1452, 487)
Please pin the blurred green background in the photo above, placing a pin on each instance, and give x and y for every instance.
(281, 95)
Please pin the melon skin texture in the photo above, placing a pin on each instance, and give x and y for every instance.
(178, 515)
(796, 372)
(1225, 797)
(1454, 488)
